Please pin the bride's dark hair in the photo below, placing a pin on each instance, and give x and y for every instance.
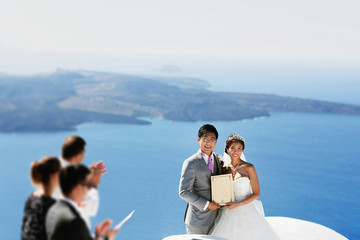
(232, 139)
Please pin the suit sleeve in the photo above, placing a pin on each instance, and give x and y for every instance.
(187, 180)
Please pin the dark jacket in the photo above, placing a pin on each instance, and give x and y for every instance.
(64, 222)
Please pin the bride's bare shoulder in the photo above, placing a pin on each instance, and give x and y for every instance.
(248, 167)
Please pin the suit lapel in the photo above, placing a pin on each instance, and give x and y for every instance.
(217, 170)
(202, 164)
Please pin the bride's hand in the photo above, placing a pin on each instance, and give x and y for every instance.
(231, 205)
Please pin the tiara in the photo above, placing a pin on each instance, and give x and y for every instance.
(235, 136)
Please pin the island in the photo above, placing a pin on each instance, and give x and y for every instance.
(61, 100)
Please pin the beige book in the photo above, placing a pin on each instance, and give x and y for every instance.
(222, 189)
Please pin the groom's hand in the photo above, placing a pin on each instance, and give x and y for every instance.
(213, 205)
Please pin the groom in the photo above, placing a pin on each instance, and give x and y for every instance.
(195, 185)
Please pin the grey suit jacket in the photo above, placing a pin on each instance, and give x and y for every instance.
(195, 188)
(64, 222)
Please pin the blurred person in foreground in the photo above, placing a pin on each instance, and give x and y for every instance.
(63, 220)
(73, 152)
(44, 173)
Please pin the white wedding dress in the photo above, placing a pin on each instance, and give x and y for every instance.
(245, 222)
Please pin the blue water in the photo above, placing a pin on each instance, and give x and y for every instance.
(308, 166)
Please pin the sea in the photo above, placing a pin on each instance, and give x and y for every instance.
(308, 167)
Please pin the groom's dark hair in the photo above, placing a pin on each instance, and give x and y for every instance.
(206, 129)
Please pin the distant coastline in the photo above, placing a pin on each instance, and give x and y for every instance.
(66, 98)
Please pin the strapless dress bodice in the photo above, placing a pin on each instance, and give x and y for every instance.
(242, 188)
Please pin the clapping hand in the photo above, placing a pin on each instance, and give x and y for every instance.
(98, 169)
(103, 229)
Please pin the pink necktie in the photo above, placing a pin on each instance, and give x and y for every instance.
(211, 164)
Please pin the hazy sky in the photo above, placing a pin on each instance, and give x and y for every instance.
(306, 48)
(317, 30)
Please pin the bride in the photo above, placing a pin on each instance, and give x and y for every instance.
(243, 219)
